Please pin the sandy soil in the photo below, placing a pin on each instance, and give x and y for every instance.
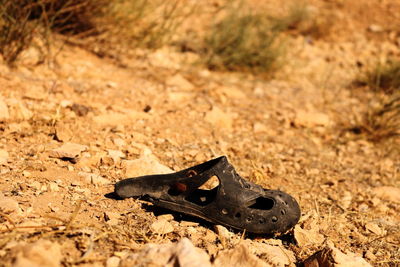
(288, 133)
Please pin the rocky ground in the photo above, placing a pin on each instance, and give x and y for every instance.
(72, 129)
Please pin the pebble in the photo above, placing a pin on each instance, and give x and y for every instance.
(239, 256)
(113, 261)
(182, 254)
(179, 82)
(9, 205)
(68, 150)
(162, 226)
(41, 253)
(312, 119)
(373, 228)
(331, 256)
(388, 193)
(146, 164)
(94, 179)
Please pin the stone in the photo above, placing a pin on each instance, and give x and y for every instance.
(3, 157)
(145, 165)
(181, 254)
(68, 150)
(9, 205)
(35, 92)
(331, 256)
(112, 218)
(162, 226)
(113, 261)
(238, 256)
(94, 179)
(42, 253)
(312, 119)
(232, 92)
(4, 113)
(388, 193)
(116, 155)
(307, 237)
(63, 133)
(219, 118)
(179, 82)
(260, 127)
(374, 228)
(274, 254)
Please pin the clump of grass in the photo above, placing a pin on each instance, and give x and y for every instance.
(383, 77)
(304, 20)
(243, 40)
(16, 31)
(91, 23)
(384, 121)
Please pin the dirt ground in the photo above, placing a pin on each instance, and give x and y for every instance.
(158, 109)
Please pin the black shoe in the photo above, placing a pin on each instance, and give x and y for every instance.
(235, 202)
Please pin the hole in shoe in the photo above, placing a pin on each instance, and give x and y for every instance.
(206, 193)
(211, 183)
(262, 203)
(202, 197)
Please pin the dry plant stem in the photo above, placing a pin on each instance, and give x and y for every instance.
(74, 214)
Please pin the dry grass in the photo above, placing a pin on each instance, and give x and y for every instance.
(16, 31)
(104, 24)
(383, 122)
(382, 77)
(243, 40)
(303, 19)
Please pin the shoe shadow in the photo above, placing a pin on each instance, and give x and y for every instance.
(287, 238)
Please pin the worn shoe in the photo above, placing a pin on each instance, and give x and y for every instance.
(235, 202)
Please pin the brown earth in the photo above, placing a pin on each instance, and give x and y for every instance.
(288, 133)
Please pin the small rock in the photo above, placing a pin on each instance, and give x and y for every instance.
(68, 150)
(162, 226)
(331, 256)
(274, 254)
(63, 133)
(41, 253)
(53, 187)
(167, 217)
(9, 205)
(259, 127)
(238, 256)
(145, 165)
(219, 118)
(4, 114)
(92, 178)
(116, 155)
(373, 228)
(312, 119)
(375, 28)
(223, 234)
(119, 142)
(113, 261)
(179, 82)
(111, 218)
(80, 110)
(182, 254)
(26, 174)
(388, 193)
(35, 92)
(232, 92)
(3, 157)
(307, 237)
